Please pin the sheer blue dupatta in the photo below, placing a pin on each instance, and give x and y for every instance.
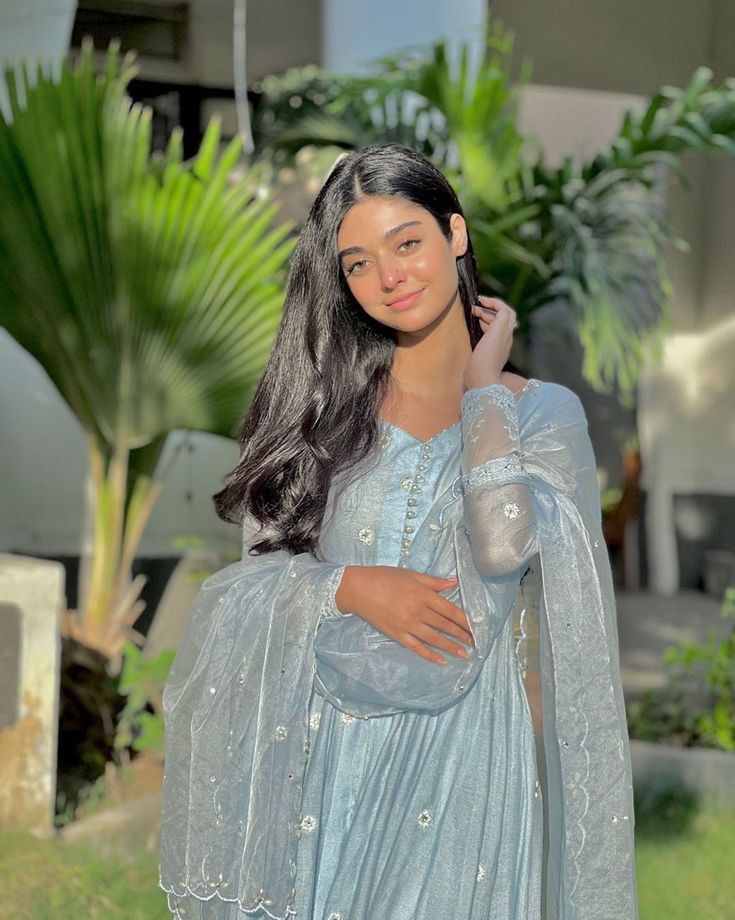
(535, 465)
(236, 720)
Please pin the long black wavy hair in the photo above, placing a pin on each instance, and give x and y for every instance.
(314, 410)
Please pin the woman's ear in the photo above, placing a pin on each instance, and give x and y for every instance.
(459, 234)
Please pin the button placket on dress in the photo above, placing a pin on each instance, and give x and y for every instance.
(413, 484)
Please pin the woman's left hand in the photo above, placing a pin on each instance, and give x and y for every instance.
(498, 320)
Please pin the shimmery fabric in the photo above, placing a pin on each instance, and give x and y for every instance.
(335, 774)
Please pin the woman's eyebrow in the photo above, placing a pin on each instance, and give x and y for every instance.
(407, 223)
(388, 235)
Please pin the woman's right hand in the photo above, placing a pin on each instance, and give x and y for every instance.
(405, 605)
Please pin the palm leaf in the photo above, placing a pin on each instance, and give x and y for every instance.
(131, 267)
(148, 288)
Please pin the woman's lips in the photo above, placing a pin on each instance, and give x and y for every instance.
(405, 302)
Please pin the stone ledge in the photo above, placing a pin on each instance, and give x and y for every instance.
(706, 770)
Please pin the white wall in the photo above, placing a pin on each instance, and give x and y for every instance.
(630, 46)
(31, 30)
(635, 47)
(718, 227)
(280, 34)
(355, 32)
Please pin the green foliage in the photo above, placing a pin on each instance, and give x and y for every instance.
(125, 272)
(89, 798)
(609, 498)
(479, 147)
(148, 288)
(593, 234)
(697, 670)
(140, 724)
(664, 807)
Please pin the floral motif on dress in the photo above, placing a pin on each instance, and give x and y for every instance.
(307, 824)
(425, 818)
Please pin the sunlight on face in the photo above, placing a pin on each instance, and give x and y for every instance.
(390, 248)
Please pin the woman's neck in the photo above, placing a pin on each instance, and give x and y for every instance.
(430, 362)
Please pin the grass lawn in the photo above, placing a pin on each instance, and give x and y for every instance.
(47, 880)
(688, 876)
(684, 872)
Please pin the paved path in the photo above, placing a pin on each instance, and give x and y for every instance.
(649, 623)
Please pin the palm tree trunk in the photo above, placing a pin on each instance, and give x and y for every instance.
(109, 598)
(109, 485)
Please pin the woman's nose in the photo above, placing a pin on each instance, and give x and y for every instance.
(391, 273)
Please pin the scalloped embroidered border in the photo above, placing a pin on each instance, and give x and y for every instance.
(290, 911)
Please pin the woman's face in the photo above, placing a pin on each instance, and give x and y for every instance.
(390, 248)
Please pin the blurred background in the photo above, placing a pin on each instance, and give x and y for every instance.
(156, 162)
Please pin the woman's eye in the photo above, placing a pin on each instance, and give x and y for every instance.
(356, 265)
(406, 242)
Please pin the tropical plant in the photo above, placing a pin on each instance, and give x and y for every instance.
(148, 288)
(140, 724)
(590, 234)
(696, 707)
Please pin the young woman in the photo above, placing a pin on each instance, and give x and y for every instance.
(349, 733)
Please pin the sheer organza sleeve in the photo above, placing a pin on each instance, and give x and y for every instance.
(366, 673)
(498, 499)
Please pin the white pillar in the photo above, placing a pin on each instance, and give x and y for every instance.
(354, 32)
(32, 597)
(33, 30)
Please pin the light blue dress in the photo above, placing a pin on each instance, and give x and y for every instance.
(453, 853)
(318, 769)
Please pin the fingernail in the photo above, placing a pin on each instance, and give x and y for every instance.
(463, 653)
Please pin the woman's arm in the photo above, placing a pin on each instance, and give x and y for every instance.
(366, 673)
(509, 466)
(498, 500)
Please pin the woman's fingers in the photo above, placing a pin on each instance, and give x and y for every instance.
(451, 612)
(494, 302)
(433, 637)
(490, 307)
(440, 620)
(414, 645)
(487, 320)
